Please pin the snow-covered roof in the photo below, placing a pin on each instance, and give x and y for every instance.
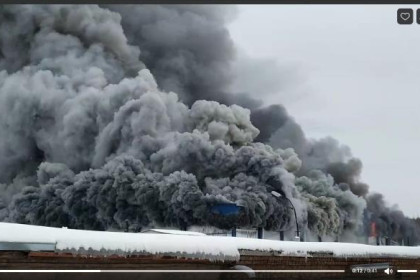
(215, 248)
(173, 231)
(120, 243)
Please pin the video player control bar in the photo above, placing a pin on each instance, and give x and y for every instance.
(172, 271)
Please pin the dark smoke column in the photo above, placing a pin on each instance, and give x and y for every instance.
(91, 136)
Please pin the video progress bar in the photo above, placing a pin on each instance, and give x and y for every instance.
(172, 271)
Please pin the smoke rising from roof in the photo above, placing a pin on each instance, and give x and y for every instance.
(122, 115)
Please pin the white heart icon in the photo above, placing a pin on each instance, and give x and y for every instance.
(405, 16)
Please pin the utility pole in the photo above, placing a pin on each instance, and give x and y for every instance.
(278, 195)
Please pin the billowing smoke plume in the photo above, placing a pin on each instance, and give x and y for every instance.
(121, 116)
(189, 51)
(390, 221)
(336, 160)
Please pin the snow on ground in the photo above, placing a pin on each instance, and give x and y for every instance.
(173, 231)
(215, 248)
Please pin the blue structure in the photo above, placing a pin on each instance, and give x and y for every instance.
(225, 209)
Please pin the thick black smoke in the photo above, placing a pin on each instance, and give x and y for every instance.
(189, 51)
(391, 222)
(202, 69)
(93, 136)
(87, 143)
(324, 154)
(328, 156)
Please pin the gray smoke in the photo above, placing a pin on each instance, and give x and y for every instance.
(74, 104)
(324, 154)
(328, 156)
(120, 118)
(331, 207)
(391, 222)
(189, 51)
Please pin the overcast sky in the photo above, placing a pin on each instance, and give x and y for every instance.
(352, 73)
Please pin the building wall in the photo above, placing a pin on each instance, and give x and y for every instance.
(251, 259)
